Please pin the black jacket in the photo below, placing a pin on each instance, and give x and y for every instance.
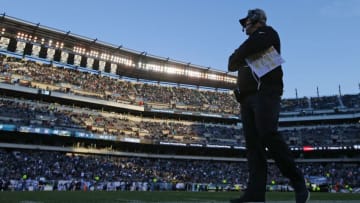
(262, 39)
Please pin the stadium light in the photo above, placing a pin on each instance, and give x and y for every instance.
(229, 79)
(93, 53)
(214, 76)
(125, 61)
(195, 74)
(151, 67)
(50, 43)
(81, 50)
(173, 70)
(18, 35)
(105, 56)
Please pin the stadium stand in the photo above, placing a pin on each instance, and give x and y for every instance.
(66, 171)
(123, 125)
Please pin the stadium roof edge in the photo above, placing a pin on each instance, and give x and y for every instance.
(4, 15)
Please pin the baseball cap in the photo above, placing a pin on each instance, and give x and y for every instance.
(255, 15)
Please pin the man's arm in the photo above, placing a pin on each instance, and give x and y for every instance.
(235, 62)
(259, 41)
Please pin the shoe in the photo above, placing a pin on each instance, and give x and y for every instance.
(302, 197)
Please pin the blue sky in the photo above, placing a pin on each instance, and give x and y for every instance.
(320, 39)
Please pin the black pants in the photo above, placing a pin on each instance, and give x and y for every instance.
(260, 116)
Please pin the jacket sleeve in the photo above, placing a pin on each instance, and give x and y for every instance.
(258, 41)
(235, 62)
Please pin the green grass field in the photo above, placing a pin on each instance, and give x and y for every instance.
(157, 197)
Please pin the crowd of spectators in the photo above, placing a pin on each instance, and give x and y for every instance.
(103, 87)
(151, 94)
(55, 116)
(50, 167)
(41, 114)
(18, 167)
(323, 135)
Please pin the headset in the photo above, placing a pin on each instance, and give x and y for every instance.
(255, 16)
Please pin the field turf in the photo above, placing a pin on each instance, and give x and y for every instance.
(163, 197)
